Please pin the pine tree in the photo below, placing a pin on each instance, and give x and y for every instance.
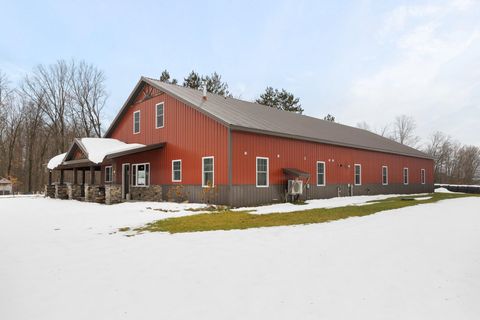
(193, 80)
(282, 100)
(215, 85)
(165, 77)
(329, 117)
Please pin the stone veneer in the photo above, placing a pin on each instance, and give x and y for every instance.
(94, 193)
(61, 191)
(150, 193)
(74, 191)
(113, 193)
(50, 191)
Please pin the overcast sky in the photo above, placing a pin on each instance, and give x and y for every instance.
(359, 60)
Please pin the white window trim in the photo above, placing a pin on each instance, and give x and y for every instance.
(173, 171)
(403, 176)
(204, 185)
(139, 122)
(423, 176)
(133, 169)
(111, 174)
(324, 174)
(354, 174)
(268, 172)
(156, 115)
(386, 183)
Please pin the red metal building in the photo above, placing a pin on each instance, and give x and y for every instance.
(241, 153)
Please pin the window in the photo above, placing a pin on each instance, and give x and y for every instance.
(358, 174)
(159, 112)
(384, 175)
(141, 174)
(320, 173)
(136, 122)
(177, 170)
(108, 174)
(422, 176)
(405, 175)
(208, 172)
(262, 172)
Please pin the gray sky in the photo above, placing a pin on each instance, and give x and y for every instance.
(358, 60)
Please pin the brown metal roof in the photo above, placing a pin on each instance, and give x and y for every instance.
(134, 151)
(296, 173)
(248, 116)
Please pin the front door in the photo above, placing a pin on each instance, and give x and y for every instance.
(125, 180)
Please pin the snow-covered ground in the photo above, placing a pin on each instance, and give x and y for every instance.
(60, 260)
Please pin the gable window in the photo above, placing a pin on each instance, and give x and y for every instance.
(405, 175)
(160, 115)
(384, 175)
(262, 172)
(422, 176)
(320, 173)
(141, 174)
(108, 174)
(176, 170)
(136, 122)
(358, 174)
(208, 172)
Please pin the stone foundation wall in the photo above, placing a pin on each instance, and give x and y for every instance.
(61, 191)
(94, 193)
(150, 193)
(50, 191)
(113, 193)
(74, 191)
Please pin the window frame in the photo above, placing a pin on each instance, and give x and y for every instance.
(423, 177)
(139, 122)
(204, 185)
(355, 165)
(134, 174)
(163, 115)
(405, 169)
(267, 172)
(324, 174)
(386, 176)
(105, 174)
(173, 170)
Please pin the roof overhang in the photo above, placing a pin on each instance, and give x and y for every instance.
(292, 172)
(134, 151)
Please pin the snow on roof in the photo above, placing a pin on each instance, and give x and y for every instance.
(99, 148)
(5, 181)
(55, 161)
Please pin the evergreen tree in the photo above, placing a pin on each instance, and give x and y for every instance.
(329, 117)
(165, 77)
(282, 100)
(215, 85)
(193, 80)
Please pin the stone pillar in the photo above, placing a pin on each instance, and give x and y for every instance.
(113, 193)
(74, 191)
(50, 191)
(61, 191)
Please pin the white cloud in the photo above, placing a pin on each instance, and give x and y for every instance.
(434, 73)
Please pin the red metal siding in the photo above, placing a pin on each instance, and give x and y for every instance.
(189, 136)
(303, 155)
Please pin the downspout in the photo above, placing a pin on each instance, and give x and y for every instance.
(229, 160)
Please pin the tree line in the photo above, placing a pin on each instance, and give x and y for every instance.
(42, 114)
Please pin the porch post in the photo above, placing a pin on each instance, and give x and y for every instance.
(75, 180)
(61, 176)
(49, 177)
(83, 176)
(92, 175)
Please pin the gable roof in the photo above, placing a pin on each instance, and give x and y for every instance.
(253, 117)
(5, 181)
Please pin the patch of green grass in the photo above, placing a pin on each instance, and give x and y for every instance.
(228, 220)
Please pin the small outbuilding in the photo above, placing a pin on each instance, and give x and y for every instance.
(6, 186)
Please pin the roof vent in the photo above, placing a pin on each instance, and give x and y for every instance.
(204, 90)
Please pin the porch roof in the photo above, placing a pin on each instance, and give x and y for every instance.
(295, 173)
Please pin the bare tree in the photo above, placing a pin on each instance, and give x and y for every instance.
(404, 131)
(89, 97)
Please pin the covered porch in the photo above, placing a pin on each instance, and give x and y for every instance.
(88, 171)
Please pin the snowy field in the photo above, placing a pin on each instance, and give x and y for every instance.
(62, 260)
